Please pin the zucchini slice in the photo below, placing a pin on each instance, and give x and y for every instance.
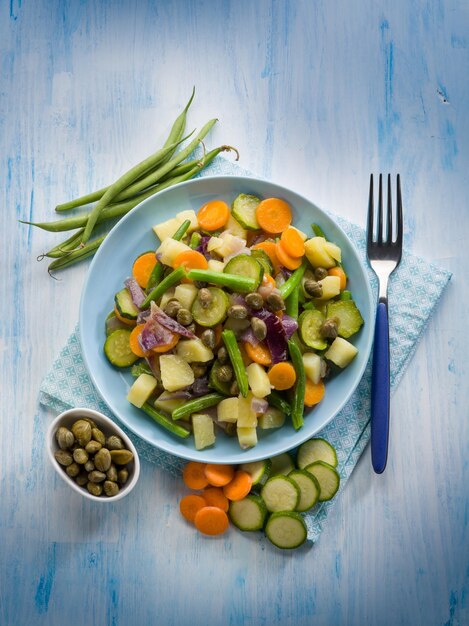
(243, 210)
(286, 530)
(309, 489)
(349, 317)
(262, 258)
(259, 470)
(117, 348)
(215, 383)
(248, 513)
(125, 305)
(281, 464)
(247, 266)
(316, 450)
(215, 312)
(280, 493)
(309, 324)
(327, 477)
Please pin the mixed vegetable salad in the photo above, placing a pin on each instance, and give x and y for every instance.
(234, 322)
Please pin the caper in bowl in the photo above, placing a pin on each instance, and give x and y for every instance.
(93, 455)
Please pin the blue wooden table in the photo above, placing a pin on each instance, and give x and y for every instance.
(315, 95)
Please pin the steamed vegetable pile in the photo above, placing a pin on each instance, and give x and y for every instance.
(267, 495)
(234, 322)
(166, 167)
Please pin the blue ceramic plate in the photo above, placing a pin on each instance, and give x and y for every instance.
(112, 265)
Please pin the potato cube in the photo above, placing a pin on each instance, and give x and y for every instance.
(216, 266)
(227, 410)
(330, 287)
(247, 437)
(168, 406)
(169, 249)
(272, 418)
(193, 351)
(141, 390)
(341, 352)
(235, 228)
(312, 364)
(247, 417)
(166, 229)
(317, 254)
(176, 373)
(185, 294)
(182, 216)
(166, 297)
(258, 380)
(204, 431)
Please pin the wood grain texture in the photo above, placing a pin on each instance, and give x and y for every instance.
(316, 95)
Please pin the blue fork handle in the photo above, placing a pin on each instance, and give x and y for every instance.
(380, 391)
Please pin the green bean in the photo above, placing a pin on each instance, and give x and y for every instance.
(164, 421)
(292, 304)
(293, 282)
(158, 271)
(229, 339)
(195, 240)
(276, 400)
(182, 230)
(317, 230)
(165, 284)
(243, 284)
(345, 295)
(188, 165)
(69, 244)
(178, 127)
(76, 255)
(298, 403)
(196, 405)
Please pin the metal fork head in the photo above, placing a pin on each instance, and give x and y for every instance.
(384, 252)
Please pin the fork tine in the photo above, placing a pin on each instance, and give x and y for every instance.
(380, 210)
(370, 214)
(399, 213)
(389, 216)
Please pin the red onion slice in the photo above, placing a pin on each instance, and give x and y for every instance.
(160, 316)
(276, 339)
(136, 291)
(153, 335)
(259, 405)
(290, 325)
(249, 336)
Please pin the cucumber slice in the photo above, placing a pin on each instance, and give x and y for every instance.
(327, 477)
(280, 493)
(309, 324)
(349, 317)
(259, 470)
(125, 305)
(286, 530)
(215, 312)
(215, 382)
(262, 258)
(247, 266)
(117, 348)
(282, 464)
(244, 211)
(309, 489)
(248, 513)
(316, 450)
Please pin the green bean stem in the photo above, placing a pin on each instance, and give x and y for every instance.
(157, 272)
(292, 303)
(293, 282)
(229, 339)
(276, 400)
(243, 284)
(197, 404)
(298, 403)
(76, 255)
(164, 421)
(62, 248)
(165, 284)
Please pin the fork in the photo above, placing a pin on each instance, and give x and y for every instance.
(384, 255)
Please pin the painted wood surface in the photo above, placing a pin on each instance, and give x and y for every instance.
(316, 95)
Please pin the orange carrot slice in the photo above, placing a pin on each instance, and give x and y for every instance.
(210, 520)
(290, 262)
(167, 346)
(214, 496)
(219, 475)
(259, 354)
(193, 475)
(338, 271)
(314, 392)
(239, 487)
(190, 504)
(191, 260)
(292, 242)
(273, 215)
(143, 267)
(213, 215)
(282, 376)
(134, 343)
(270, 249)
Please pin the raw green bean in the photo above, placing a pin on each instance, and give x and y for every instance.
(165, 284)
(293, 282)
(229, 339)
(243, 284)
(64, 247)
(196, 405)
(158, 271)
(292, 303)
(345, 295)
(76, 255)
(188, 165)
(178, 128)
(276, 400)
(298, 403)
(164, 421)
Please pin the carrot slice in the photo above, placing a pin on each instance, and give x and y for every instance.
(191, 260)
(273, 215)
(124, 320)
(259, 354)
(214, 496)
(282, 376)
(271, 250)
(134, 343)
(314, 392)
(210, 520)
(239, 487)
(143, 267)
(167, 346)
(213, 215)
(267, 278)
(290, 262)
(219, 475)
(193, 475)
(244, 355)
(292, 242)
(338, 271)
(190, 504)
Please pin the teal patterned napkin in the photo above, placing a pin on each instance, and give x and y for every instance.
(414, 291)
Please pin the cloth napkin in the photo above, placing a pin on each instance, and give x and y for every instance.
(414, 291)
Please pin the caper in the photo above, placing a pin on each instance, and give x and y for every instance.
(122, 476)
(238, 312)
(330, 328)
(259, 328)
(313, 288)
(63, 457)
(110, 488)
(73, 470)
(172, 308)
(102, 460)
(222, 355)
(112, 473)
(96, 477)
(320, 273)
(199, 369)
(94, 488)
(208, 338)
(234, 389)
(89, 466)
(65, 438)
(91, 422)
(98, 436)
(114, 443)
(275, 302)
(81, 479)
(225, 373)
(205, 297)
(80, 456)
(121, 457)
(93, 446)
(255, 300)
(82, 431)
(192, 328)
(184, 317)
